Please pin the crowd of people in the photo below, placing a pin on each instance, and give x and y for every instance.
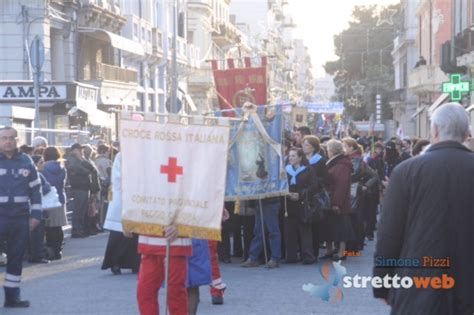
(353, 171)
(74, 179)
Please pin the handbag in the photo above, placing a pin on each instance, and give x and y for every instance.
(51, 200)
(354, 196)
(323, 200)
(316, 207)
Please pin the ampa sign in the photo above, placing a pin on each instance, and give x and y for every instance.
(27, 92)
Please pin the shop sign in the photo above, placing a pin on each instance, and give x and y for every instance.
(86, 97)
(456, 88)
(27, 92)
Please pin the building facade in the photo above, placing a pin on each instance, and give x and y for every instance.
(99, 56)
(212, 28)
(463, 41)
(405, 56)
(425, 81)
(55, 23)
(290, 76)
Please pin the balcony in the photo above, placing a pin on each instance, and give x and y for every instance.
(426, 79)
(103, 13)
(226, 33)
(117, 86)
(112, 73)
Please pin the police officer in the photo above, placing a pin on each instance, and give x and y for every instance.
(20, 210)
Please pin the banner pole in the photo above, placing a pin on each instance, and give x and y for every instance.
(263, 231)
(239, 108)
(168, 115)
(167, 272)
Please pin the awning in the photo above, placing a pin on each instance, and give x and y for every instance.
(441, 99)
(160, 91)
(418, 112)
(150, 90)
(115, 40)
(470, 108)
(17, 112)
(100, 118)
(140, 89)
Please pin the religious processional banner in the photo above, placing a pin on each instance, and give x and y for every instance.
(235, 86)
(255, 168)
(173, 174)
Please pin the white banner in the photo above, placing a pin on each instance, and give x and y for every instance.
(173, 174)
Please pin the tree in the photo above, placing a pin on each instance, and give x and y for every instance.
(365, 65)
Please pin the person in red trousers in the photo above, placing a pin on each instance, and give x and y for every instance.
(152, 272)
(217, 286)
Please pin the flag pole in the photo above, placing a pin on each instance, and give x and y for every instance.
(167, 262)
(258, 106)
(167, 272)
(263, 231)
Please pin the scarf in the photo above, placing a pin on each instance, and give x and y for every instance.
(315, 159)
(293, 173)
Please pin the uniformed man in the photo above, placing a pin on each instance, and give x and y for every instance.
(20, 210)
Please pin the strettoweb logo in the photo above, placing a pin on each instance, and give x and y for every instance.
(397, 282)
(333, 274)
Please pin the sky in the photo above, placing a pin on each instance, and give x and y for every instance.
(319, 20)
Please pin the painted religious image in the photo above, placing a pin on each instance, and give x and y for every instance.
(251, 147)
(254, 165)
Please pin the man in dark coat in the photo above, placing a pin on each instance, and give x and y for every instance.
(81, 174)
(429, 212)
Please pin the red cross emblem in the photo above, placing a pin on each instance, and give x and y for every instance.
(172, 169)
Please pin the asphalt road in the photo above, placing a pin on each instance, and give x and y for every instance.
(76, 285)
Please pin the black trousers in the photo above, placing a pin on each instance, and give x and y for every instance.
(281, 223)
(315, 233)
(223, 247)
(248, 223)
(121, 252)
(36, 244)
(80, 208)
(370, 217)
(294, 229)
(54, 238)
(15, 232)
(236, 230)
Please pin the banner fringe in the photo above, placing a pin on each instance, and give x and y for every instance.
(255, 197)
(183, 230)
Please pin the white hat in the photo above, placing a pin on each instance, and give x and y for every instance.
(39, 141)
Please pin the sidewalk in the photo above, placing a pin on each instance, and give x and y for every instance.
(76, 285)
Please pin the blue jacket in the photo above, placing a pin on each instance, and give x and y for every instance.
(20, 187)
(55, 174)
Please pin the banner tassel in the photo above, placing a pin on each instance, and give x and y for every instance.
(237, 206)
